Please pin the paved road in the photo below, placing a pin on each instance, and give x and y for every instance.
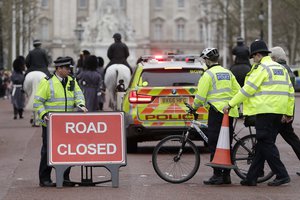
(19, 160)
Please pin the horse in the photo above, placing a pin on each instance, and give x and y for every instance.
(113, 76)
(31, 82)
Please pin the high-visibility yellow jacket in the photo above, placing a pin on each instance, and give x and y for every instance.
(267, 89)
(217, 86)
(51, 96)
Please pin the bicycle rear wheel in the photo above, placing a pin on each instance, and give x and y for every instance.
(243, 154)
(171, 167)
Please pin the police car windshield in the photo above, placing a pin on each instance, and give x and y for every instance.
(171, 77)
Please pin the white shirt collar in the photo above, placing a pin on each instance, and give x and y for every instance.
(59, 78)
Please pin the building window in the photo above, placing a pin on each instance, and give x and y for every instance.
(158, 4)
(44, 34)
(200, 31)
(82, 4)
(44, 3)
(180, 3)
(123, 4)
(158, 31)
(180, 29)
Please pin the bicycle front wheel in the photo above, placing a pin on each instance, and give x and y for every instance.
(174, 163)
(243, 154)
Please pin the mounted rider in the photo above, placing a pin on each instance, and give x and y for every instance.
(37, 59)
(118, 53)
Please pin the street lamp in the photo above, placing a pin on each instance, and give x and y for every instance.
(261, 18)
(1, 41)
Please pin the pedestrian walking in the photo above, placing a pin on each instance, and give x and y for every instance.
(101, 93)
(37, 59)
(90, 81)
(80, 62)
(7, 84)
(269, 95)
(57, 93)
(118, 52)
(215, 88)
(286, 130)
(241, 65)
(17, 79)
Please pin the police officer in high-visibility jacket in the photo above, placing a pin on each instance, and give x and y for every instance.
(57, 93)
(215, 88)
(269, 95)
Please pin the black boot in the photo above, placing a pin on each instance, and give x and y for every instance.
(226, 176)
(15, 112)
(21, 113)
(214, 180)
(226, 179)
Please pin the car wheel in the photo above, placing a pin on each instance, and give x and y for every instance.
(131, 146)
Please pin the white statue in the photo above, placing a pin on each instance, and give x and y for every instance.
(107, 20)
(108, 24)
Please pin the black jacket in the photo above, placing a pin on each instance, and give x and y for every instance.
(242, 53)
(37, 60)
(118, 53)
(240, 71)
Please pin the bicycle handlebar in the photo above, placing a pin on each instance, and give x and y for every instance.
(191, 110)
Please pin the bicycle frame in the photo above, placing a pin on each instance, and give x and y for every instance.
(196, 125)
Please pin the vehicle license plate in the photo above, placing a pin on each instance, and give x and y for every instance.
(168, 100)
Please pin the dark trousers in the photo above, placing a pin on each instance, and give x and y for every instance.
(18, 111)
(214, 126)
(267, 127)
(287, 132)
(45, 170)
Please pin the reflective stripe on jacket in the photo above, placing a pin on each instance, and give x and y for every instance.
(217, 86)
(51, 96)
(267, 89)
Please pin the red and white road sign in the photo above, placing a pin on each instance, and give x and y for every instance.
(86, 138)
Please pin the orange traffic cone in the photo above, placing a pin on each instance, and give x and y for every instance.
(222, 158)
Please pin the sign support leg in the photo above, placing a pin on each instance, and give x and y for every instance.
(59, 171)
(114, 171)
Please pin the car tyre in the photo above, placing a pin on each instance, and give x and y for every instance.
(131, 146)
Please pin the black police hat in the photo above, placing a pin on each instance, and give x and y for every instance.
(117, 36)
(258, 46)
(63, 61)
(36, 43)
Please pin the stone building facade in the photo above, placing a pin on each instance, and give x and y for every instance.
(148, 26)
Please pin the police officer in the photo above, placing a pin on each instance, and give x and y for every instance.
(286, 129)
(56, 93)
(37, 59)
(118, 52)
(215, 88)
(269, 95)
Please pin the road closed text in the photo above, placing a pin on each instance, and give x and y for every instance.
(86, 149)
(84, 128)
(81, 127)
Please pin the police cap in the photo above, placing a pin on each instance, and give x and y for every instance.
(63, 62)
(37, 42)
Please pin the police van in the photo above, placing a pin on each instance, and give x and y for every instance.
(154, 101)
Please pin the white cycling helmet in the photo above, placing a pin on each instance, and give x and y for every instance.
(209, 53)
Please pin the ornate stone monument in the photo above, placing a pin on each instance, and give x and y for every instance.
(99, 28)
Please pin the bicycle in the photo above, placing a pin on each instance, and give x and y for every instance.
(176, 158)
